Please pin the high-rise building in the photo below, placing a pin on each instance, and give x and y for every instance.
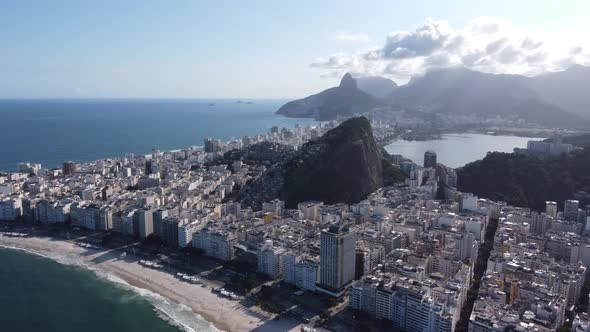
(337, 259)
(300, 270)
(213, 145)
(10, 208)
(464, 246)
(311, 210)
(276, 207)
(68, 168)
(551, 209)
(406, 305)
(159, 216)
(170, 231)
(146, 222)
(216, 243)
(539, 223)
(429, 158)
(570, 210)
(269, 259)
(186, 230)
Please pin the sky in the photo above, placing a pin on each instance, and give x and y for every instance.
(272, 49)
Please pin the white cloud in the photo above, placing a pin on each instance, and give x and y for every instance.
(352, 37)
(486, 44)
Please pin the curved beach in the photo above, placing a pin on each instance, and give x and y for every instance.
(222, 313)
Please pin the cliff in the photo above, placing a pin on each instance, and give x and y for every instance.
(345, 165)
(344, 100)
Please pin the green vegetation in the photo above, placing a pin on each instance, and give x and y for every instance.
(265, 300)
(344, 165)
(153, 240)
(391, 173)
(265, 292)
(582, 141)
(529, 181)
(270, 307)
(246, 283)
(193, 251)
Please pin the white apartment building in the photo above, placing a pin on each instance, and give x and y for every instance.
(216, 243)
(10, 208)
(146, 222)
(311, 210)
(276, 207)
(269, 260)
(337, 259)
(186, 231)
(300, 271)
(408, 307)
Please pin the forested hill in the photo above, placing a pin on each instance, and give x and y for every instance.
(582, 140)
(528, 181)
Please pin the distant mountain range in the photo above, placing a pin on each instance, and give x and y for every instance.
(557, 99)
(343, 100)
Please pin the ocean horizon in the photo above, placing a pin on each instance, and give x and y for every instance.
(51, 131)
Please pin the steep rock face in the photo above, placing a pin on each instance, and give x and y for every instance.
(343, 100)
(344, 165)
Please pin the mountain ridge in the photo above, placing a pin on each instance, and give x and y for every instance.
(344, 100)
(557, 99)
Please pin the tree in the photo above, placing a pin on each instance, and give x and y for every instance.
(266, 292)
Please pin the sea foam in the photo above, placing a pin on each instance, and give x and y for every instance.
(178, 315)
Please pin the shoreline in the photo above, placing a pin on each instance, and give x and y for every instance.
(221, 314)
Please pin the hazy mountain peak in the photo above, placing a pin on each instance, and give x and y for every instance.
(344, 100)
(348, 82)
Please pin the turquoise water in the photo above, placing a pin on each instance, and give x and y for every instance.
(38, 294)
(456, 150)
(50, 131)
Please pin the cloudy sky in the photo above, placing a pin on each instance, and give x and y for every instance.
(272, 49)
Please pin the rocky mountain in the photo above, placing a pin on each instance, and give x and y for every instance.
(344, 100)
(376, 86)
(554, 99)
(344, 165)
(567, 89)
(557, 99)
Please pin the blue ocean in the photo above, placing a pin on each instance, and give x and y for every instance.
(50, 131)
(37, 294)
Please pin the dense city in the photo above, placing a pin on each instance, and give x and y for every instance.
(415, 256)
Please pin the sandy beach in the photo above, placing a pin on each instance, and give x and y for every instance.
(224, 314)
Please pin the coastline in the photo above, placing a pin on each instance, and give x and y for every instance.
(184, 305)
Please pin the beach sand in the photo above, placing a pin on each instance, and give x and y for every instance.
(224, 314)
